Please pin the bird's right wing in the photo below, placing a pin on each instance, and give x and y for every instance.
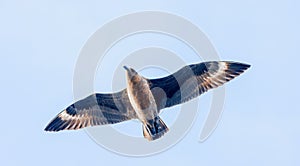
(96, 109)
(193, 80)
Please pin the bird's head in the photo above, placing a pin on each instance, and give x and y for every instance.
(130, 72)
(132, 75)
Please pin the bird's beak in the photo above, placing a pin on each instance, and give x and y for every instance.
(126, 68)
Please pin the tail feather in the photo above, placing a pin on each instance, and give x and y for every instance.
(154, 129)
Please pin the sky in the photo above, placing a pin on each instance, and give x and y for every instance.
(40, 42)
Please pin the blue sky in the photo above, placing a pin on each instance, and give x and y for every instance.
(41, 40)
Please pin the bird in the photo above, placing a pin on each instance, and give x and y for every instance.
(144, 98)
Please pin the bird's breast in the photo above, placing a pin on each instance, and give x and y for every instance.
(142, 100)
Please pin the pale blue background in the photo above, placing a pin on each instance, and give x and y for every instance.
(39, 45)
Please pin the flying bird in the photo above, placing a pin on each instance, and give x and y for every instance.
(143, 98)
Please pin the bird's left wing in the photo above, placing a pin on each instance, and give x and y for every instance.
(96, 109)
(193, 80)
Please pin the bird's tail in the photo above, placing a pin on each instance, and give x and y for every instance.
(154, 129)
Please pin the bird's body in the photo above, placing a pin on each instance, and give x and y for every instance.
(143, 102)
(140, 96)
(144, 98)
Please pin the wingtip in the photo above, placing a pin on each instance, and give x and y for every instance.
(238, 65)
(246, 65)
(55, 125)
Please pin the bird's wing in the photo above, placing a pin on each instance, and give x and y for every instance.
(193, 80)
(96, 109)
